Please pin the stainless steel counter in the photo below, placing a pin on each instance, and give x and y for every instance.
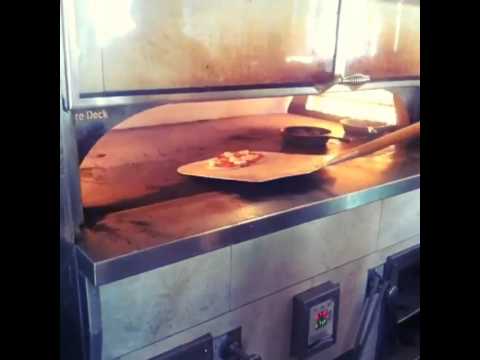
(183, 217)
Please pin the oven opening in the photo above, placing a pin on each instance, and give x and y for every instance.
(135, 164)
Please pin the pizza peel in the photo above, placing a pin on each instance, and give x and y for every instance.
(276, 165)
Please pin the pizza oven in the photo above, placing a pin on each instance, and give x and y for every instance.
(149, 87)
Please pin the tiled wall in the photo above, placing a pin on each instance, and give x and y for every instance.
(142, 309)
(252, 284)
(269, 263)
(400, 218)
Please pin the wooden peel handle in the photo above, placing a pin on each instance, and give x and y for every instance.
(398, 136)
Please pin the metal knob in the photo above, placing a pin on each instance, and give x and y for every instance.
(235, 352)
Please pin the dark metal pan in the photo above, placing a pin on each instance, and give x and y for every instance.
(308, 136)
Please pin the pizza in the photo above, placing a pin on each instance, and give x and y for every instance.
(235, 159)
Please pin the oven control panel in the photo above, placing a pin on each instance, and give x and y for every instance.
(315, 316)
(321, 321)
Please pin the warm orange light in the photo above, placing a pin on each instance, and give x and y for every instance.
(189, 112)
(300, 59)
(372, 105)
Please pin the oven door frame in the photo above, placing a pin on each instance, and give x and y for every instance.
(393, 266)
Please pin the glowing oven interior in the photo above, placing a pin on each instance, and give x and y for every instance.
(135, 164)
